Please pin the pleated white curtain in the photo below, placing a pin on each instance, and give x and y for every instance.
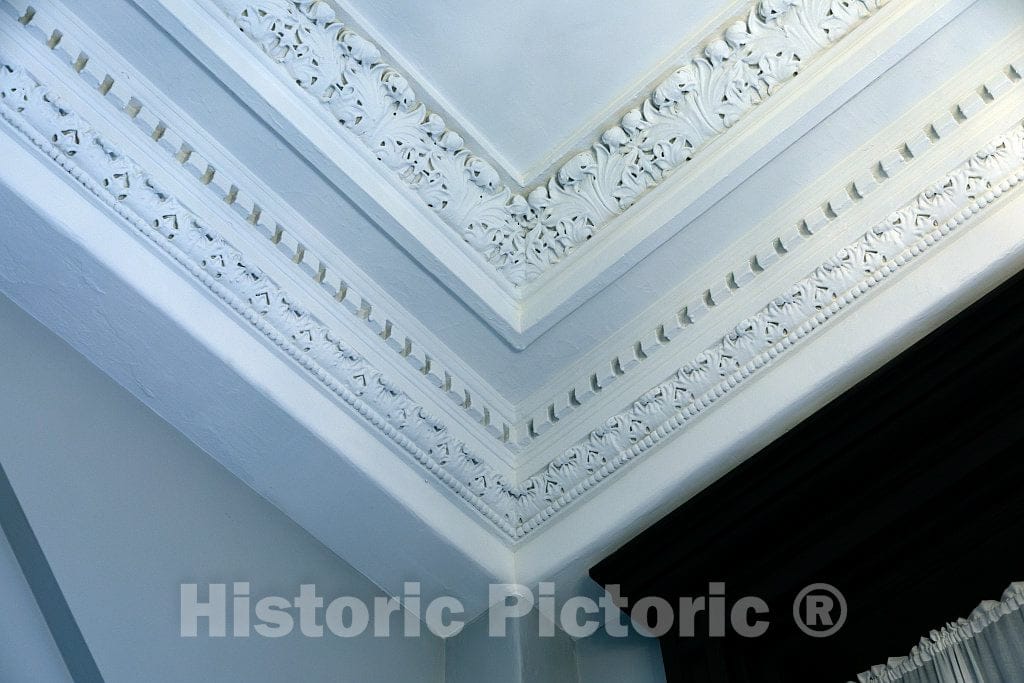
(987, 647)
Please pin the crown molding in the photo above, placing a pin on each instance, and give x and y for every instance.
(513, 438)
(757, 341)
(835, 75)
(66, 256)
(347, 166)
(223, 186)
(524, 236)
(515, 509)
(64, 136)
(637, 354)
(725, 159)
(52, 268)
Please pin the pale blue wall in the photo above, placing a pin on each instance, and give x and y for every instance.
(634, 659)
(523, 657)
(125, 509)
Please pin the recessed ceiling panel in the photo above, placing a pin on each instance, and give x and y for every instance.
(532, 80)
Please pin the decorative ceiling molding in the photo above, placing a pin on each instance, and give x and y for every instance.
(912, 144)
(120, 183)
(212, 169)
(84, 55)
(524, 236)
(89, 59)
(758, 341)
(515, 509)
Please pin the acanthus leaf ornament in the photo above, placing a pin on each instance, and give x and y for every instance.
(523, 236)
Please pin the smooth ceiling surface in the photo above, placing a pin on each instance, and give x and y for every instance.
(533, 79)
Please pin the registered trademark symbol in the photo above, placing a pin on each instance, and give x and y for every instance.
(819, 610)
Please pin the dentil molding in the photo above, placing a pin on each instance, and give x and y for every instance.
(525, 235)
(86, 58)
(136, 197)
(516, 509)
(896, 150)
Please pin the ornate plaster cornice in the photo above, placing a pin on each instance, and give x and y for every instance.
(515, 509)
(894, 156)
(153, 213)
(135, 103)
(524, 235)
(90, 61)
(759, 340)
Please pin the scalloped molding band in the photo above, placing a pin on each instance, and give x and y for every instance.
(524, 236)
(515, 509)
